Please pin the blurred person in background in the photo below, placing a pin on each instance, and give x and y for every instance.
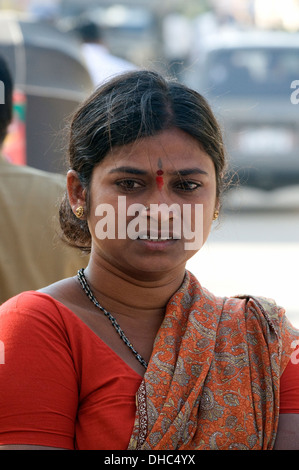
(100, 63)
(176, 31)
(31, 253)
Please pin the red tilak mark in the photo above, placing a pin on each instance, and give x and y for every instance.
(160, 181)
(159, 177)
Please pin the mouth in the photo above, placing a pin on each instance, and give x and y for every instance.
(156, 238)
(158, 242)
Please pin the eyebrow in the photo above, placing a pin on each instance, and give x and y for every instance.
(128, 169)
(189, 171)
(138, 171)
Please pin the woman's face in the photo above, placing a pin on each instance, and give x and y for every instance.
(154, 172)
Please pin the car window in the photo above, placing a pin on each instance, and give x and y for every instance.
(252, 71)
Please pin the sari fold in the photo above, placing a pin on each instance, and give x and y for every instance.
(214, 375)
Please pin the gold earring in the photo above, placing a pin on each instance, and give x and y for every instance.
(216, 215)
(79, 212)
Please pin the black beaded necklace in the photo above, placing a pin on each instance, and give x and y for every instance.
(88, 292)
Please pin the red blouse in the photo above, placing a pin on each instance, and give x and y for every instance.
(62, 386)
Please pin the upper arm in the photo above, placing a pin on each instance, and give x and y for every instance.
(288, 432)
(39, 390)
(288, 425)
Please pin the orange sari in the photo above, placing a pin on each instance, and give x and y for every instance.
(214, 376)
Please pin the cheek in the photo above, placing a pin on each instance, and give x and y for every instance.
(207, 224)
(202, 216)
(102, 204)
(202, 221)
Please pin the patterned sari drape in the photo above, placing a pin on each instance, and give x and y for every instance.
(214, 376)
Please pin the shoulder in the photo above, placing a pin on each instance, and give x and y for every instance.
(37, 324)
(30, 309)
(46, 189)
(262, 310)
(31, 174)
(35, 300)
(257, 321)
(267, 321)
(262, 307)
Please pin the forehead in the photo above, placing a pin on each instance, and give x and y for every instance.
(173, 148)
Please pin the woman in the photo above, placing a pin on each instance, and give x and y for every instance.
(133, 353)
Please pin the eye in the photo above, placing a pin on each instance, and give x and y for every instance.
(129, 185)
(185, 185)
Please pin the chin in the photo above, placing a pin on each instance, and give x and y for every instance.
(152, 270)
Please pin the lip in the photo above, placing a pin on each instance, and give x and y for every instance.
(160, 236)
(156, 245)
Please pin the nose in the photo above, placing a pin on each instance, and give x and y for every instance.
(159, 192)
(161, 213)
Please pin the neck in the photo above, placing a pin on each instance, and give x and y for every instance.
(128, 295)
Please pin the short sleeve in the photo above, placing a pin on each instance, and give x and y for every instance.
(289, 386)
(39, 386)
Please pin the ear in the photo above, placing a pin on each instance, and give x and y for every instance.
(218, 204)
(76, 193)
(216, 209)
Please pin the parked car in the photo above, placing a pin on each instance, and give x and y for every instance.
(247, 78)
(50, 79)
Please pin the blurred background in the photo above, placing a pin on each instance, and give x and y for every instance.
(243, 55)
